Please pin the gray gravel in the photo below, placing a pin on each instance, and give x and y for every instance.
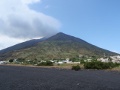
(33, 78)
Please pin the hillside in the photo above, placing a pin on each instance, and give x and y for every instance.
(57, 47)
(23, 45)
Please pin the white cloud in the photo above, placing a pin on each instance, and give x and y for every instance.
(6, 41)
(30, 1)
(18, 21)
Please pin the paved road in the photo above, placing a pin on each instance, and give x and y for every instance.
(33, 78)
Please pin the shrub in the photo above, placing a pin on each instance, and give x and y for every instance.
(20, 59)
(76, 68)
(47, 63)
(99, 65)
(93, 65)
(75, 59)
(82, 61)
(11, 60)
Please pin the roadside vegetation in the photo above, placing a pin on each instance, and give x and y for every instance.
(76, 67)
(75, 63)
(100, 65)
(47, 63)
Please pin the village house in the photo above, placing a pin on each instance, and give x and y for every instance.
(103, 59)
(115, 59)
(3, 62)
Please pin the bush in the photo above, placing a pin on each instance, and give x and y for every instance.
(75, 59)
(11, 60)
(93, 65)
(99, 65)
(20, 59)
(47, 63)
(82, 61)
(76, 68)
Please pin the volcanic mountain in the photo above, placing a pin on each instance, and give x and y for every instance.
(56, 47)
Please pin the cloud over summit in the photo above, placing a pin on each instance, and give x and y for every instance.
(17, 20)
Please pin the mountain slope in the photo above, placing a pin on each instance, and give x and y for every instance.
(57, 47)
(23, 45)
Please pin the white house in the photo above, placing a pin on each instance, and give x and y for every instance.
(115, 59)
(103, 59)
(3, 62)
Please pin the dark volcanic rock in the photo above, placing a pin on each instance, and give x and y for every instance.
(31, 78)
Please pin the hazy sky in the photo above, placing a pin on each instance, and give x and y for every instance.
(96, 21)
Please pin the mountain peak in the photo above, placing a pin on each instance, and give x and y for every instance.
(59, 36)
(60, 33)
(64, 37)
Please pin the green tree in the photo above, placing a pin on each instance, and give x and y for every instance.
(11, 60)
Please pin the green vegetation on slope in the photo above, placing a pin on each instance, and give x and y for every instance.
(59, 46)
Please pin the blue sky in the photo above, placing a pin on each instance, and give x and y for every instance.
(96, 21)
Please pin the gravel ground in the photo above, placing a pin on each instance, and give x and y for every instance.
(34, 78)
